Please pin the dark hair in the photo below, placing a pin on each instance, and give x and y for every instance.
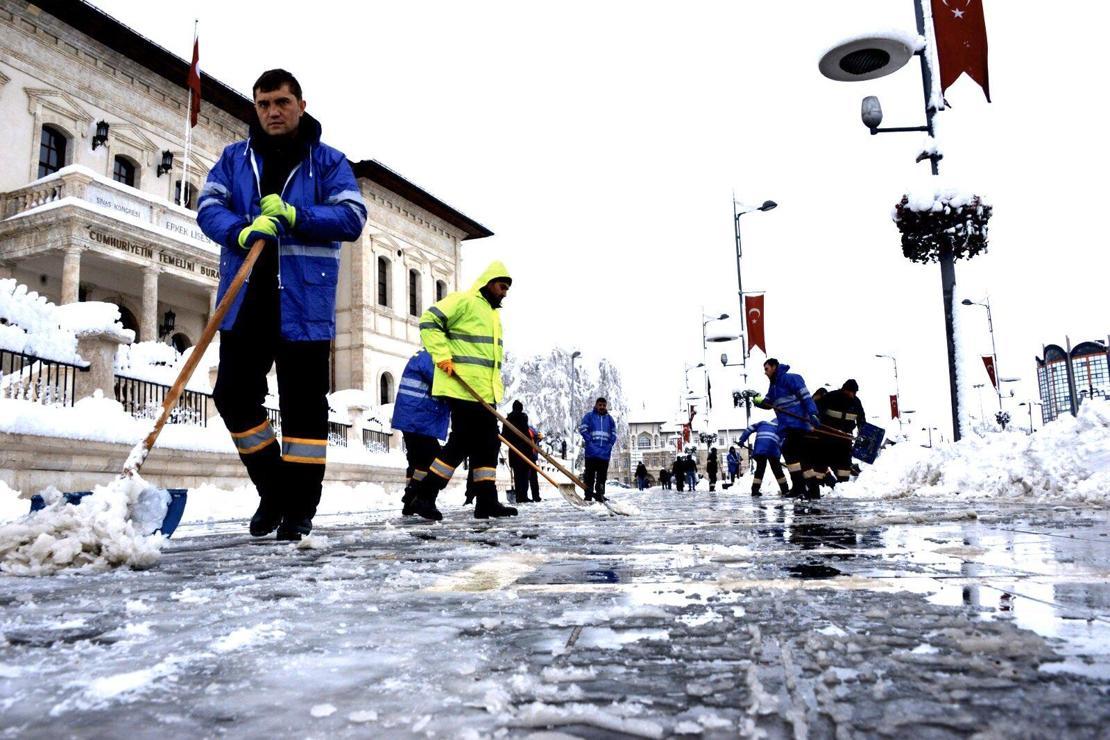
(273, 79)
(602, 400)
(771, 361)
(850, 385)
(518, 406)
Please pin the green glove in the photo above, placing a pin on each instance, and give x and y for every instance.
(273, 205)
(263, 227)
(758, 400)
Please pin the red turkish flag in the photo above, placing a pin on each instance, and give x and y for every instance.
(193, 83)
(988, 361)
(961, 33)
(894, 407)
(753, 314)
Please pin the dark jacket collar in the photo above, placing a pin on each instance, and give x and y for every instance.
(308, 134)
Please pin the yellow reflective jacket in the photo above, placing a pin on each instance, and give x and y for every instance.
(466, 329)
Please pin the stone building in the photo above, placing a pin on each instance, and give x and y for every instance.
(93, 165)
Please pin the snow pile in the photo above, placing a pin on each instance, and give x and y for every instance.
(31, 324)
(94, 317)
(108, 529)
(937, 199)
(157, 362)
(1066, 461)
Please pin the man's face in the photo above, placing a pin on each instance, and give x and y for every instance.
(601, 407)
(279, 111)
(769, 371)
(498, 289)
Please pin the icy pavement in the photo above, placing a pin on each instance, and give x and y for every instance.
(712, 615)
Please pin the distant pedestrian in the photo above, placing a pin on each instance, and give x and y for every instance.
(678, 472)
(766, 450)
(691, 468)
(641, 476)
(733, 461)
(599, 432)
(519, 466)
(665, 479)
(711, 468)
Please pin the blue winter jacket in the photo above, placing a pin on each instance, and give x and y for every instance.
(600, 433)
(767, 443)
(788, 393)
(416, 410)
(330, 210)
(733, 460)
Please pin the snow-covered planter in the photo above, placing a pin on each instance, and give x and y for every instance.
(932, 220)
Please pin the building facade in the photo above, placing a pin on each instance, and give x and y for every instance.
(1065, 379)
(96, 198)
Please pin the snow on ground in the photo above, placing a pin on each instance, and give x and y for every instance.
(1067, 461)
(110, 528)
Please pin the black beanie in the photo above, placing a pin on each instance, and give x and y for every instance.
(850, 385)
(518, 406)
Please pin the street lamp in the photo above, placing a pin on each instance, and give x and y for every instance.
(994, 352)
(717, 336)
(1029, 405)
(767, 206)
(573, 403)
(897, 393)
(930, 430)
(877, 55)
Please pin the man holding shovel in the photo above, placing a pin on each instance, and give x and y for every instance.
(462, 333)
(281, 185)
(796, 413)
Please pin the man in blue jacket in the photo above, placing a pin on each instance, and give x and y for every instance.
(300, 197)
(767, 448)
(422, 420)
(599, 432)
(797, 414)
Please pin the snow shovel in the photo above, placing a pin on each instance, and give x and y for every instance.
(508, 425)
(566, 489)
(140, 451)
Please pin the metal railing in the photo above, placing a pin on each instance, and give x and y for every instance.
(143, 400)
(375, 441)
(337, 433)
(29, 378)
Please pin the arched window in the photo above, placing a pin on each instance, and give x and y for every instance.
(127, 319)
(52, 151)
(123, 170)
(414, 292)
(644, 441)
(386, 388)
(181, 342)
(441, 290)
(190, 195)
(383, 281)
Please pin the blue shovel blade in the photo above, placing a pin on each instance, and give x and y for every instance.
(174, 510)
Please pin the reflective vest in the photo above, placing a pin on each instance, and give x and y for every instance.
(466, 329)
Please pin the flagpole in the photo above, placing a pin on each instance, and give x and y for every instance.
(181, 196)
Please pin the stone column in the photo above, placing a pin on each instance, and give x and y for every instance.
(71, 274)
(99, 350)
(148, 322)
(211, 303)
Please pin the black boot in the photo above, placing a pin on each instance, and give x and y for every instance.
(267, 517)
(813, 489)
(756, 492)
(488, 506)
(424, 505)
(408, 502)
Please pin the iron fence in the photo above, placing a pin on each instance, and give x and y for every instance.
(337, 433)
(30, 378)
(143, 400)
(375, 441)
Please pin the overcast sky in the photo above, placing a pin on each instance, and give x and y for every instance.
(601, 142)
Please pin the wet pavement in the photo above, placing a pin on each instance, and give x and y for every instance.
(712, 615)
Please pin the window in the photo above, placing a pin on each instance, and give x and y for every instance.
(644, 441)
(386, 388)
(441, 290)
(52, 151)
(414, 293)
(123, 171)
(181, 342)
(190, 193)
(383, 281)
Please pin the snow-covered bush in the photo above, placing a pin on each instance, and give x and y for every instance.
(938, 218)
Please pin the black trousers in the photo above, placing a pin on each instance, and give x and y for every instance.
(525, 478)
(474, 438)
(761, 462)
(597, 470)
(294, 473)
(420, 450)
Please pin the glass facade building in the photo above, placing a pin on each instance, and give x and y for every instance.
(1062, 376)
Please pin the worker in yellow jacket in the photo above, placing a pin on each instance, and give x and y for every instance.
(462, 333)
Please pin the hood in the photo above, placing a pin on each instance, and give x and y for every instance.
(782, 369)
(496, 269)
(308, 131)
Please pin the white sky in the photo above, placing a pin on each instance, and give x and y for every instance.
(601, 142)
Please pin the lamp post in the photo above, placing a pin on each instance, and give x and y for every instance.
(1029, 405)
(871, 58)
(994, 351)
(897, 393)
(573, 404)
(767, 206)
(930, 430)
(717, 336)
